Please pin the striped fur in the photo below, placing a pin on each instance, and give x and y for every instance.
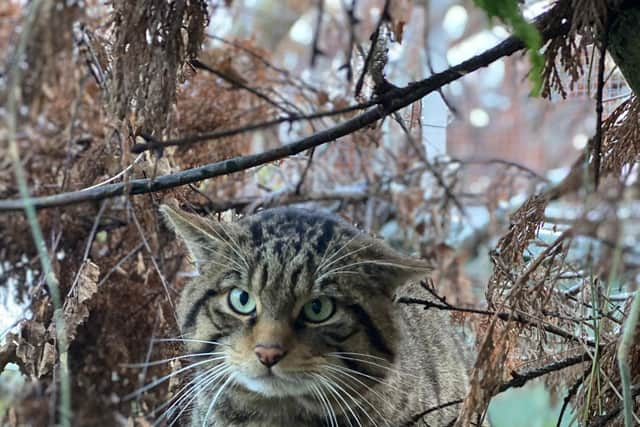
(372, 363)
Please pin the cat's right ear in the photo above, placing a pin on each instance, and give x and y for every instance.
(203, 237)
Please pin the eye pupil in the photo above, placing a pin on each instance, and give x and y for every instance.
(241, 301)
(244, 298)
(316, 306)
(319, 309)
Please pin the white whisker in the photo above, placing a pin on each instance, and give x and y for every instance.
(374, 262)
(193, 387)
(231, 243)
(371, 389)
(372, 378)
(329, 261)
(171, 359)
(189, 340)
(166, 377)
(348, 254)
(330, 387)
(357, 403)
(348, 353)
(368, 362)
(215, 399)
(219, 254)
(202, 383)
(331, 415)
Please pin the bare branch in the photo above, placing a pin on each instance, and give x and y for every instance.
(392, 101)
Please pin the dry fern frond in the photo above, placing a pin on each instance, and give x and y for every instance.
(621, 146)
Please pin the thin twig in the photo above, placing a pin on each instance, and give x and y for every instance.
(87, 249)
(519, 379)
(391, 101)
(603, 420)
(13, 100)
(236, 82)
(630, 327)
(572, 392)
(147, 246)
(301, 84)
(124, 259)
(430, 167)
(315, 50)
(597, 140)
(517, 317)
(352, 20)
(153, 144)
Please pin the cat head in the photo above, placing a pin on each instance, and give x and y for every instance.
(288, 296)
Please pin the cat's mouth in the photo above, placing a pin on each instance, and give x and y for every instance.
(273, 384)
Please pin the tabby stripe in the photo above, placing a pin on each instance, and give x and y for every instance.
(337, 337)
(264, 277)
(219, 314)
(356, 366)
(295, 276)
(373, 333)
(211, 347)
(190, 319)
(323, 240)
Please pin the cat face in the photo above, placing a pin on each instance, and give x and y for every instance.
(288, 299)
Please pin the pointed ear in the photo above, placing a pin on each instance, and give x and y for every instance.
(393, 268)
(202, 236)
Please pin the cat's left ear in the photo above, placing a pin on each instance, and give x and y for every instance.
(203, 237)
(394, 269)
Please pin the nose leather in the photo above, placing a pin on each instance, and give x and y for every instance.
(269, 355)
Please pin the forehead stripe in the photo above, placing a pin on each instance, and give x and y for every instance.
(325, 237)
(190, 318)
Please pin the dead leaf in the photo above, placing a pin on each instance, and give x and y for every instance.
(76, 309)
(48, 360)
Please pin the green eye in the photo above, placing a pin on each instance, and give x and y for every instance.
(319, 309)
(241, 301)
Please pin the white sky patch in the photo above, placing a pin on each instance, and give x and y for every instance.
(374, 13)
(395, 52)
(580, 141)
(479, 118)
(11, 310)
(494, 74)
(535, 8)
(456, 88)
(500, 32)
(455, 21)
(472, 46)
(221, 21)
(302, 32)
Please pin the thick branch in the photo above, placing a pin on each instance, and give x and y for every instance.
(392, 101)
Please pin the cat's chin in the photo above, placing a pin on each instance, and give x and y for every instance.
(272, 385)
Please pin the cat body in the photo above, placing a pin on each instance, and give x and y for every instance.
(293, 322)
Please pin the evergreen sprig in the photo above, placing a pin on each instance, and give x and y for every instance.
(510, 14)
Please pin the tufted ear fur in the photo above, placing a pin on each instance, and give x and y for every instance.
(202, 236)
(391, 267)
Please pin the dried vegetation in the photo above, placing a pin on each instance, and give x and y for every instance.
(559, 288)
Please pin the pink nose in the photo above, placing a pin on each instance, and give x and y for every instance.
(269, 355)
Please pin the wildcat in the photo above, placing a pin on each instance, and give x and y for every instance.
(292, 322)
